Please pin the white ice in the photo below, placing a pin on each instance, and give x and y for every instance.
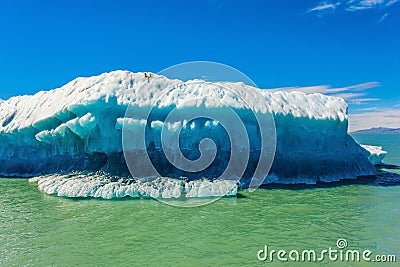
(376, 153)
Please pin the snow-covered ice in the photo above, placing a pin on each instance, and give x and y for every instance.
(79, 126)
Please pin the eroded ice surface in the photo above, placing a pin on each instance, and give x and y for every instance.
(106, 187)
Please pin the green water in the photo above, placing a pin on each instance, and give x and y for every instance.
(41, 230)
(389, 142)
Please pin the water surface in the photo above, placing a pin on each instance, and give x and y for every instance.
(42, 230)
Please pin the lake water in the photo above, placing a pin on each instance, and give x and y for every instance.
(42, 230)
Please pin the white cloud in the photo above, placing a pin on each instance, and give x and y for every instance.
(364, 4)
(382, 18)
(350, 96)
(363, 86)
(322, 89)
(380, 118)
(324, 7)
(391, 2)
(368, 109)
(359, 101)
(353, 6)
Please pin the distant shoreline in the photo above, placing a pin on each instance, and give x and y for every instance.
(377, 130)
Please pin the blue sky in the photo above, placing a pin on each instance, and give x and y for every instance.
(348, 48)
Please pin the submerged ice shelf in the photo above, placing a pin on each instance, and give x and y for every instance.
(79, 127)
(107, 187)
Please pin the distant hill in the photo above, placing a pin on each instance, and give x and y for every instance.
(376, 130)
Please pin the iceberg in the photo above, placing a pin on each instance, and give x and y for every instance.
(376, 153)
(79, 127)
